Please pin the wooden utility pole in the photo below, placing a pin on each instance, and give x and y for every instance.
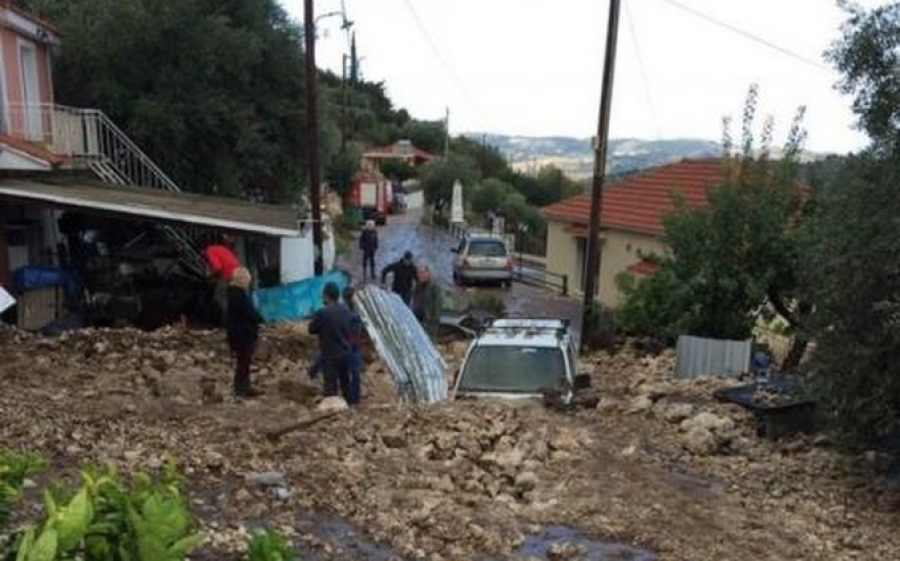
(591, 310)
(344, 103)
(312, 135)
(447, 132)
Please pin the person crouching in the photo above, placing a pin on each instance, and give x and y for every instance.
(243, 322)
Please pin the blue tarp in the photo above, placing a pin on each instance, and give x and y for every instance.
(297, 300)
(32, 277)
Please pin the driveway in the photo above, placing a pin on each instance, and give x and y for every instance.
(431, 246)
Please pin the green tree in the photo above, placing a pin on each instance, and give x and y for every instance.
(491, 162)
(490, 195)
(851, 259)
(212, 91)
(437, 177)
(867, 57)
(424, 135)
(341, 169)
(851, 265)
(728, 259)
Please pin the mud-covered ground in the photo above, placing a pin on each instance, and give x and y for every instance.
(657, 464)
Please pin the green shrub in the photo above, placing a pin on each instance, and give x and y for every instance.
(15, 467)
(106, 519)
(267, 545)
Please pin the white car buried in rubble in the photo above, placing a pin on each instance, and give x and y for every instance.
(521, 358)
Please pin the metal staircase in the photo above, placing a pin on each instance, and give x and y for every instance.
(89, 137)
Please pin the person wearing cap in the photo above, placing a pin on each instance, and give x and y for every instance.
(404, 272)
(221, 264)
(242, 330)
(368, 243)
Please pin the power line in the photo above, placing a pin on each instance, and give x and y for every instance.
(644, 81)
(748, 35)
(447, 68)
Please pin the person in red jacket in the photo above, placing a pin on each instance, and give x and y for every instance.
(222, 262)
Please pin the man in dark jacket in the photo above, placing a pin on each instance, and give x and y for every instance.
(334, 324)
(404, 276)
(243, 330)
(368, 243)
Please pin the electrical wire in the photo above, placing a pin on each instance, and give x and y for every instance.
(447, 68)
(748, 35)
(643, 72)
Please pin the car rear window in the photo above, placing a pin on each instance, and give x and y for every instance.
(487, 248)
(512, 369)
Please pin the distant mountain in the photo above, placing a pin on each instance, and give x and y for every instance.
(575, 156)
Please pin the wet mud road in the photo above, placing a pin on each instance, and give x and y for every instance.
(432, 246)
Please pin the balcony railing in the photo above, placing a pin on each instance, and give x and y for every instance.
(87, 135)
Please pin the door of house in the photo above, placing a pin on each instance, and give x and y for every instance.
(31, 95)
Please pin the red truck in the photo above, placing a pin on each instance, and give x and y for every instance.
(373, 195)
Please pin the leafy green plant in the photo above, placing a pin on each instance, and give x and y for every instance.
(267, 545)
(107, 520)
(15, 467)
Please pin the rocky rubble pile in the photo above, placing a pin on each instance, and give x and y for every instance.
(658, 461)
(447, 480)
(646, 386)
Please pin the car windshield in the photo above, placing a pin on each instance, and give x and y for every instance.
(487, 248)
(513, 369)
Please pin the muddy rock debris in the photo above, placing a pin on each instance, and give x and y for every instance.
(452, 480)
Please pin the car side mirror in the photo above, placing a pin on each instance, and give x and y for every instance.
(582, 382)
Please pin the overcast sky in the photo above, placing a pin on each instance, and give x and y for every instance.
(534, 67)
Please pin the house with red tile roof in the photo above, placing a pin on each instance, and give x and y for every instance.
(631, 222)
(402, 150)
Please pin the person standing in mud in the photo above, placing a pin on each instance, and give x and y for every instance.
(356, 350)
(356, 353)
(427, 302)
(222, 262)
(404, 272)
(368, 243)
(242, 330)
(334, 324)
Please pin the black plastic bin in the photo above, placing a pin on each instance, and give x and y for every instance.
(774, 420)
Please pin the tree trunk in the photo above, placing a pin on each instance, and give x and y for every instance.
(795, 354)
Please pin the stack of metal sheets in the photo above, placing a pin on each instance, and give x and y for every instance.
(415, 364)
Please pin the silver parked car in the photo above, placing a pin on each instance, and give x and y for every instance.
(482, 258)
(521, 358)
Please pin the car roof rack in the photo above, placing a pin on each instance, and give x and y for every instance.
(561, 330)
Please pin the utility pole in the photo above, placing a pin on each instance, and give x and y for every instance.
(354, 61)
(446, 132)
(344, 103)
(483, 153)
(590, 311)
(312, 135)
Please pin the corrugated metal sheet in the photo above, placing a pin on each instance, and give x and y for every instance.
(417, 367)
(698, 357)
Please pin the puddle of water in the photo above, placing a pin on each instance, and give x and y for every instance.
(538, 545)
(352, 542)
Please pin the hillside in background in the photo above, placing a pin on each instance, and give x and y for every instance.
(576, 157)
